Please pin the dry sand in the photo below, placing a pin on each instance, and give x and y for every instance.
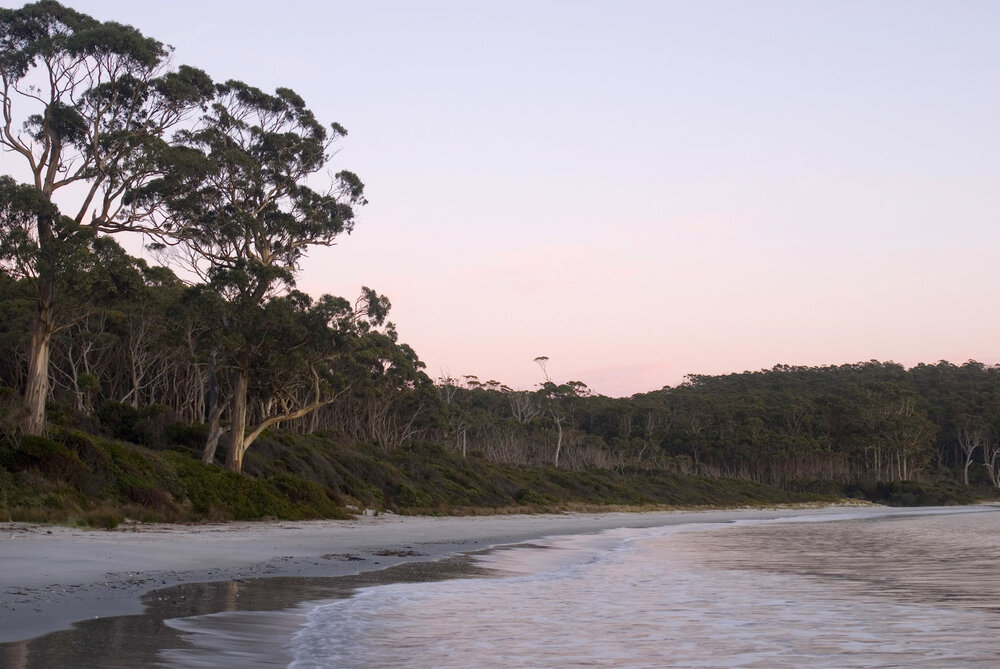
(52, 577)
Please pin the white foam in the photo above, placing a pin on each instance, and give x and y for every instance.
(235, 639)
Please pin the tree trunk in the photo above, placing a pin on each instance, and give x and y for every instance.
(558, 441)
(991, 453)
(37, 388)
(214, 432)
(238, 420)
(239, 440)
(215, 409)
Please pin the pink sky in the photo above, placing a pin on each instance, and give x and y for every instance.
(643, 190)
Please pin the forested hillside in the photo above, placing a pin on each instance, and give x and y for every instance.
(852, 423)
(195, 384)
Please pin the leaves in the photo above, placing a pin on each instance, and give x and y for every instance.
(249, 216)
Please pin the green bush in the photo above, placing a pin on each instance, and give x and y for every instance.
(146, 426)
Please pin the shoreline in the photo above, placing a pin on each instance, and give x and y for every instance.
(53, 576)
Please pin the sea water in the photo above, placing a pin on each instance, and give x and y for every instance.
(855, 590)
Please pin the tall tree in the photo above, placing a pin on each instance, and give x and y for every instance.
(86, 105)
(253, 216)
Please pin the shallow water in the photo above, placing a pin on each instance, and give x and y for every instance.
(901, 591)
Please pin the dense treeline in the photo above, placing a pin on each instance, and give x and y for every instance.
(156, 342)
(863, 422)
(217, 344)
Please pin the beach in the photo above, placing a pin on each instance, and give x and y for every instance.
(54, 576)
(231, 593)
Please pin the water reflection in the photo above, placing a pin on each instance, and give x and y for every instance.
(937, 559)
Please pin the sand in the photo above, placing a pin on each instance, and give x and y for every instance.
(52, 577)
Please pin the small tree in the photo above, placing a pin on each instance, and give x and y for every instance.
(557, 398)
(971, 436)
(454, 414)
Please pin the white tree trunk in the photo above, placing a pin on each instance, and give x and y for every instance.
(37, 388)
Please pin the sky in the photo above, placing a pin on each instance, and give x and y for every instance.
(644, 190)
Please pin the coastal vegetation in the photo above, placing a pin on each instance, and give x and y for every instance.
(120, 378)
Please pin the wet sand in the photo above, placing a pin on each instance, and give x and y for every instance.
(192, 624)
(53, 577)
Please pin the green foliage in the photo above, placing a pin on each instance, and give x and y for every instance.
(146, 426)
(250, 214)
(72, 476)
(913, 493)
(219, 494)
(425, 478)
(75, 476)
(39, 453)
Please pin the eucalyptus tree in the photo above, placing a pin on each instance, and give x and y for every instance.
(253, 214)
(898, 432)
(454, 414)
(111, 341)
(557, 398)
(523, 406)
(393, 398)
(95, 279)
(991, 459)
(972, 434)
(387, 399)
(292, 341)
(20, 208)
(85, 105)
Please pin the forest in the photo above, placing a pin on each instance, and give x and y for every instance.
(200, 372)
